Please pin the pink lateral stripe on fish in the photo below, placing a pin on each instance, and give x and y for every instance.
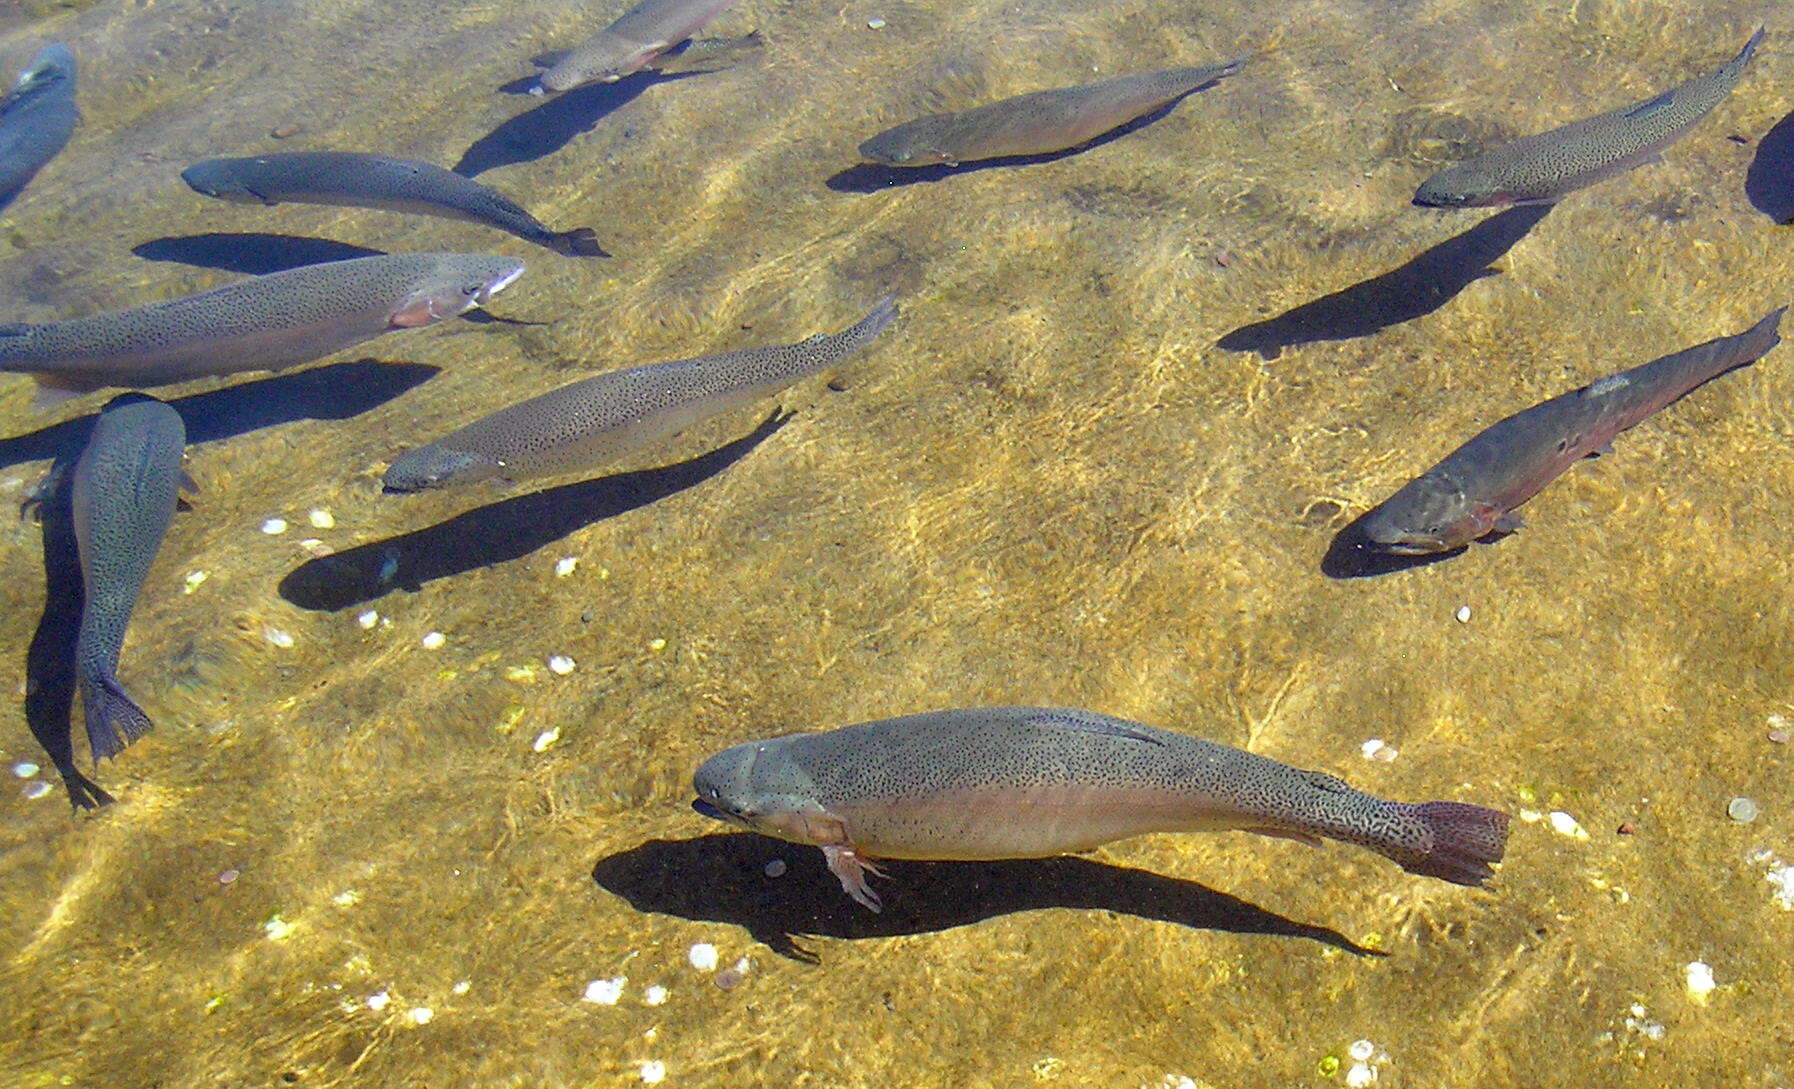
(1026, 782)
(1473, 492)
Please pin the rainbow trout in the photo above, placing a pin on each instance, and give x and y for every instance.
(579, 427)
(356, 180)
(1037, 123)
(1474, 491)
(1025, 782)
(37, 117)
(264, 323)
(1545, 167)
(631, 43)
(126, 484)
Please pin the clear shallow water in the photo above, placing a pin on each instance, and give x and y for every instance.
(1047, 484)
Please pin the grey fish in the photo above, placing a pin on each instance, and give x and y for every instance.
(1543, 168)
(37, 117)
(628, 45)
(584, 425)
(126, 484)
(1473, 492)
(262, 323)
(1025, 782)
(1037, 123)
(357, 180)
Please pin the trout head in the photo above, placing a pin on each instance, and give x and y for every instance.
(53, 63)
(215, 178)
(747, 787)
(457, 284)
(905, 145)
(1467, 185)
(1430, 514)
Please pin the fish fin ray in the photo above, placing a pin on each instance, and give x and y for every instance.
(1106, 729)
(113, 720)
(851, 869)
(1651, 106)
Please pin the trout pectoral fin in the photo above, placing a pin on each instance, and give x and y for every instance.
(413, 315)
(1281, 833)
(851, 869)
(1508, 523)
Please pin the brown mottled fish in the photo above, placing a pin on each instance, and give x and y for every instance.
(1038, 123)
(1543, 168)
(582, 426)
(1026, 782)
(264, 323)
(1474, 491)
(631, 43)
(126, 484)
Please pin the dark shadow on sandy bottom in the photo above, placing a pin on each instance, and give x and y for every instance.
(872, 177)
(1417, 288)
(252, 254)
(545, 129)
(721, 878)
(50, 659)
(498, 532)
(1769, 183)
(336, 391)
(1351, 555)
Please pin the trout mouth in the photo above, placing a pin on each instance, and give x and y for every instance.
(717, 813)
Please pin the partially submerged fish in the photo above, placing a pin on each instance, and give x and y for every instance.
(628, 45)
(584, 425)
(126, 484)
(260, 324)
(358, 180)
(1474, 491)
(36, 117)
(1038, 123)
(1024, 782)
(1543, 168)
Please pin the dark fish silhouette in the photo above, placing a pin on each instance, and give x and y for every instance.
(36, 117)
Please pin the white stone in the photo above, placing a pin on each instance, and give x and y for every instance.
(421, 1015)
(1700, 982)
(703, 957)
(1360, 1075)
(1565, 825)
(546, 739)
(1463, 614)
(655, 995)
(1361, 1051)
(461, 988)
(274, 526)
(654, 1072)
(24, 769)
(368, 619)
(875, 23)
(193, 580)
(434, 640)
(561, 664)
(321, 519)
(279, 638)
(565, 566)
(606, 992)
(37, 789)
(378, 1001)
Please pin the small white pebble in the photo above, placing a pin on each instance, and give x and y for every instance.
(421, 1015)
(546, 739)
(274, 526)
(377, 1002)
(279, 638)
(776, 868)
(1360, 1076)
(703, 957)
(875, 23)
(346, 898)
(37, 789)
(657, 645)
(1565, 825)
(1782, 877)
(434, 640)
(1378, 749)
(605, 992)
(193, 580)
(321, 519)
(1178, 1081)
(565, 566)
(743, 966)
(561, 664)
(461, 988)
(368, 619)
(655, 995)
(1463, 614)
(277, 928)
(654, 1072)
(1361, 1051)
(1700, 982)
(24, 769)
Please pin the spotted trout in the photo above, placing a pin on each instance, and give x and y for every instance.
(1473, 492)
(628, 45)
(264, 323)
(126, 484)
(1037, 123)
(37, 117)
(579, 427)
(1025, 782)
(358, 180)
(1543, 168)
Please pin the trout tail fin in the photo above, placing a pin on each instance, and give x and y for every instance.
(113, 721)
(1461, 843)
(578, 242)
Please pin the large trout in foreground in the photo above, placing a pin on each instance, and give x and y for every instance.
(1474, 491)
(1025, 782)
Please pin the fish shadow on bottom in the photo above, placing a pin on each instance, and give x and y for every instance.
(336, 391)
(499, 532)
(50, 659)
(1352, 556)
(543, 130)
(1769, 182)
(254, 254)
(872, 177)
(1417, 288)
(721, 878)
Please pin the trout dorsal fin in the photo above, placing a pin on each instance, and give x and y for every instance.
(1106, 729)
(1653, 105)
